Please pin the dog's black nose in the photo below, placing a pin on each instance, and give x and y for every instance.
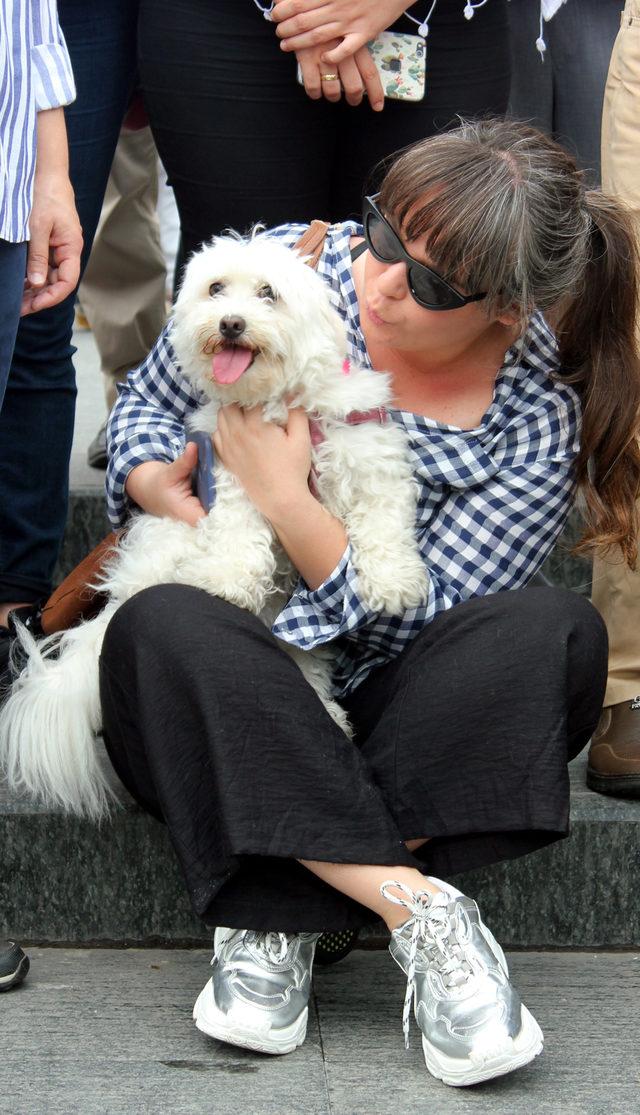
(232, 327)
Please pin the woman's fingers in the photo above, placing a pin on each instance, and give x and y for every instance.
(351, 82)
(331, 87)
(320, 36)
(291, 9)
(310, 74)
(370, 77)
(350, 44)
(302, 26)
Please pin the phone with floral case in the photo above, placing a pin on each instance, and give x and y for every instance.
(401, 61)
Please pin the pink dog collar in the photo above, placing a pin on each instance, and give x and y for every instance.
(353, 418)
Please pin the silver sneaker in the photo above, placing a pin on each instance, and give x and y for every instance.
(474, 1026)
(258, 994)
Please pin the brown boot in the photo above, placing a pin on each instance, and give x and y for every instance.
(614, 755)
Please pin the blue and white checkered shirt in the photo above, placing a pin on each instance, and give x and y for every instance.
(492, 499)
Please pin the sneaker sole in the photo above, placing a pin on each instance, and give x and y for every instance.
(458, 1073)
(6, 982)
(212, 1022)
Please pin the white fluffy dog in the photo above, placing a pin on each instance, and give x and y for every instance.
(253, 325)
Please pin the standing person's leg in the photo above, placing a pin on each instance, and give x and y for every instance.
(123, 290)
(36, 422)
(468, 73)
(13, 262)
(580, 38)
(531, 92)
(240, 140)
(614, 758)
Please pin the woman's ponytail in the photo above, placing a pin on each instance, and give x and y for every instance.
(598, 341)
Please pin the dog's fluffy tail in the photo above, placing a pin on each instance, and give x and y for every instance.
(49, 723)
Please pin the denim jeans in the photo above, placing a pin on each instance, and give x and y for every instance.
(36, 422)
(13, 258)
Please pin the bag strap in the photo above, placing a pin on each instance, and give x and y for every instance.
(311, 243)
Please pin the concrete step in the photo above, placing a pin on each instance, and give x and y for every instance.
(87, 524)
(111, 1031)
(65, 880)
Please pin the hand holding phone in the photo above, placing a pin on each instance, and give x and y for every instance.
(400, 61)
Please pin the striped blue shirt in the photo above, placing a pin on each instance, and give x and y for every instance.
(492, 502)
(35, 74)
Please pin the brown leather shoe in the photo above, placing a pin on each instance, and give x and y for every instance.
(614, 755)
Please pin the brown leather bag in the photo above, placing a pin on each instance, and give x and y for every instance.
(75, 599)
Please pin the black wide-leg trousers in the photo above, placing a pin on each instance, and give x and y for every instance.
(464, 739)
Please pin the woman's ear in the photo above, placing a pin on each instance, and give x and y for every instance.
(509, 317)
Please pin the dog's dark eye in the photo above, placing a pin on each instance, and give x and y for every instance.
(216, 288)
(267, 292)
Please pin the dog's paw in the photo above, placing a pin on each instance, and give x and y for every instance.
(337, 713)
(393, 587)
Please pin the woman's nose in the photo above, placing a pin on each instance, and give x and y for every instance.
(392, 281)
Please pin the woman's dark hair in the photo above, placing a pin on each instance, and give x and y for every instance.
(503, 209)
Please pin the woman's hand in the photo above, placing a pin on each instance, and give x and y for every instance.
(55, 244)
(272, 463)
(165, 490)
(309, 23)
(356, 76)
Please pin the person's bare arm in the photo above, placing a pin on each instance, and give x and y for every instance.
(55, 244)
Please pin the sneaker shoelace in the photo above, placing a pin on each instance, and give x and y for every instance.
(271, 945)
(432, 930)
(274, 945)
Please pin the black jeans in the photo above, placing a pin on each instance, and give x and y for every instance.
(464, 738)
(242, 142)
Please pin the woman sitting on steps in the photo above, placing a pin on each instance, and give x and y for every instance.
(467, 710)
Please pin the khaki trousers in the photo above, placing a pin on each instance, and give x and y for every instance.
(123, 288)
(616, 591)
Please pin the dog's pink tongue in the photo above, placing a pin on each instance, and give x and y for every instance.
(230, 362)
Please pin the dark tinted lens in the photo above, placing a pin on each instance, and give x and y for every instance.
(429, 289)
(383, 240)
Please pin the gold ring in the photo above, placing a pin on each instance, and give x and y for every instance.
(329, 77)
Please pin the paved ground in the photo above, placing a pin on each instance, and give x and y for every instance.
(110, 1033)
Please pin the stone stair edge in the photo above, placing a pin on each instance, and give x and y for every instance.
(87, 523)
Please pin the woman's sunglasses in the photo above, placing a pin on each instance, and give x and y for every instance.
(427, 288)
